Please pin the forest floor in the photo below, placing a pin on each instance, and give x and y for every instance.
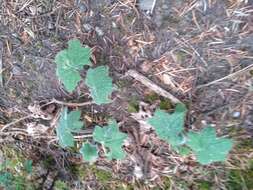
(200, 51)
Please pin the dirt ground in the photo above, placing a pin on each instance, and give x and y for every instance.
(201, 51)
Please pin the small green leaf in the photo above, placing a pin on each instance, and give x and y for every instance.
(169, 126)
(112, 138)
(207, 147)
(28, 166)
(100, 84)
(70, 61)
(89, 152)
(68, 123)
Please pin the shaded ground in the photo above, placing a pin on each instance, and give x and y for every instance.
(199, 51)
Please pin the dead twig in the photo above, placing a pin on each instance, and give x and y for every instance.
(15, 122)
(153, 6)
(69, 104)
(1, 64)
(148, 83)
(227, 77)
(83, 136)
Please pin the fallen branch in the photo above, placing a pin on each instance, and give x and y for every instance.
(15, 122)
(227, 77)
(1, 64)
(148, 83)
(70, 104)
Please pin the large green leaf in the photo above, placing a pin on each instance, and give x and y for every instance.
(89, 152)
(207, 147)
(68, 123)
(100, 84)
(169, 126)
(110, 137)
(70, 61)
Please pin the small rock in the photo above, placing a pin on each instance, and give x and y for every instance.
(99, 31)
(83, 8)
(16, 70)
(146, 5)
(245, 62)
(50, 25)
(138, 172)
(87, 27)
(236, 114)
(114, 25)
(203, 122)
(165, 7)
(246, 43)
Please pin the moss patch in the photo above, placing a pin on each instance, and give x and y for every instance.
(166, 182)
(104, 178)
(151, 97)
(102, 175)
(48, 162)
(133, 106)
(60, 185)
(13, 170)
(240, 179)
(165, 104)
(204, 185)
(245, 146)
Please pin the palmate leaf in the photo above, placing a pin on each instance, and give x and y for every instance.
(68, 123)
(89, 152)
(111, 138)
(169, 126)
(100, 84)
(70, 61)
(207, 147)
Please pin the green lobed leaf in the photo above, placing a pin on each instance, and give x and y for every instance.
(68, 123)
(207, 147)
(169, 126)
(70, 61)
(100, 84)
(28, 166)
(89, 152)
(111, 138)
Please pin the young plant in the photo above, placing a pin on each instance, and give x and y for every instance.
(169, 127)
(68, 123)
(100, 84)
(70, 61)
(89, 152)
(15, 174)
(206, 146)
(111, 138)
